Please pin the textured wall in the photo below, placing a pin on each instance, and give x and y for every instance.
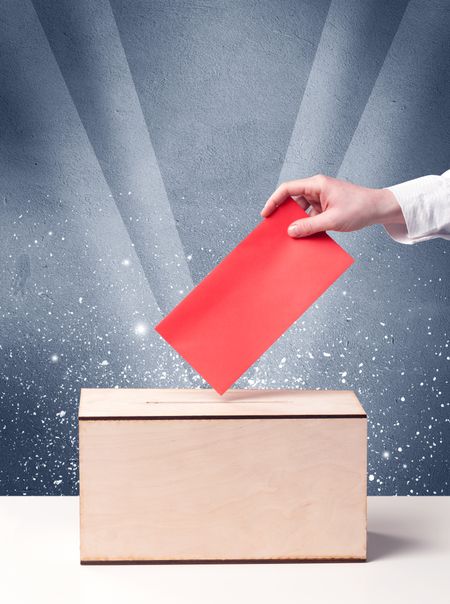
(139, 142)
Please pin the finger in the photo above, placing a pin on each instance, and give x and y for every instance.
(310, 226)
(305, 187)
(302, 201)
(314, 212)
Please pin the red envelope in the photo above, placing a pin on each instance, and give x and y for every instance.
(251, 298)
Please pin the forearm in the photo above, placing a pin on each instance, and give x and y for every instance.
(425, 205)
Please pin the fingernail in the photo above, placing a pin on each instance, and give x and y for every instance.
(293, 230)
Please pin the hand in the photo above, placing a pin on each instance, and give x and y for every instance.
(335, 205)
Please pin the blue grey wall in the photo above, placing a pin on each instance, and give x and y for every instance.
(139, 141)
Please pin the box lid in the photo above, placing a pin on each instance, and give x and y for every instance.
(171, 403)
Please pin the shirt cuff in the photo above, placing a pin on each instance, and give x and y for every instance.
(415, 198)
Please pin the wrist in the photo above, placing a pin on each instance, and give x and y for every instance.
(387, 210)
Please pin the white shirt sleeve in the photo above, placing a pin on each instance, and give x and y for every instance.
(425, 203)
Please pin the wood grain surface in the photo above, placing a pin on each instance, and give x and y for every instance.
(157, 402)
(208, 489)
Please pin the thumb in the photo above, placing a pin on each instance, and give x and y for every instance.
(309, 226)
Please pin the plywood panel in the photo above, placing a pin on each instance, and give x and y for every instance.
(244, 489)
(148, 402)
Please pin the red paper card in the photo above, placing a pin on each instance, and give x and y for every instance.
(251, 298)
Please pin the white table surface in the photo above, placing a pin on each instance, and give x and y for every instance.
(408, 561)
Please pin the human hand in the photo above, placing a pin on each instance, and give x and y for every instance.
(335, 205)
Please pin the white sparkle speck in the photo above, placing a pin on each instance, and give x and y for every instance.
(140, 329)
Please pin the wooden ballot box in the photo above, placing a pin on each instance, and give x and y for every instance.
(188, 475)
